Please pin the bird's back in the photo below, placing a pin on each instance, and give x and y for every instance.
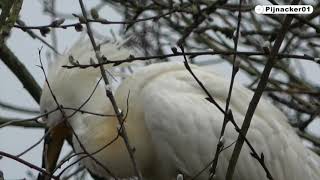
(173, 128)
(184, 127)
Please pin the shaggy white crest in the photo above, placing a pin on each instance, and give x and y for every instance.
(83, 52)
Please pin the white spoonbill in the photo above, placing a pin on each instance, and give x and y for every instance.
(171, 125)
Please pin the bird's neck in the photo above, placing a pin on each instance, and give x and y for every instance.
(83, 93)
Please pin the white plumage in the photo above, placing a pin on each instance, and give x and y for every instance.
(173, 128)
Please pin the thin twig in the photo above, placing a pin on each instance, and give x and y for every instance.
(110, 94)
(235, 69)
(229, 118)
(28, 164)
(24, 122)
(257, 95)
(18, 108)
(192, 54)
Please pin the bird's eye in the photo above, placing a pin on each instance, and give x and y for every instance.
(45, 113)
